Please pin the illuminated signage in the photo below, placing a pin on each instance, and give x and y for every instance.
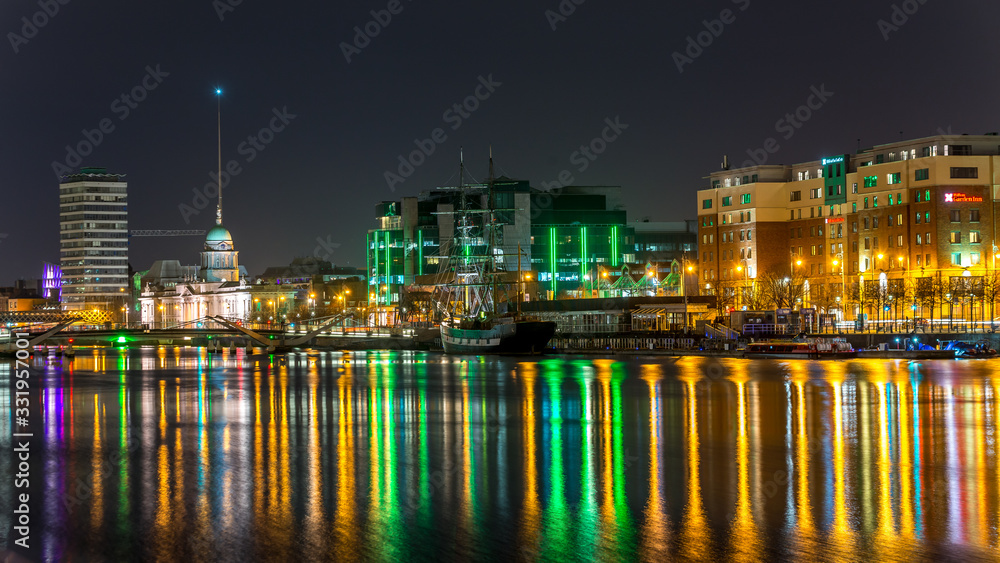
(834, 160)
(962, 198)
(835, 220)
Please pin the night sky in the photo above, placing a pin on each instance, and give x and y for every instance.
(319, 178)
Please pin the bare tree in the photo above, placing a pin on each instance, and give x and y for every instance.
(782, 291)
(991, 292)
(754, 296)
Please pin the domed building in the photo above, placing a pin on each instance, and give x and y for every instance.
(220, 260)
(174, 295)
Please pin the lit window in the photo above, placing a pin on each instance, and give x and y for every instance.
(956, 237)
(974, 237)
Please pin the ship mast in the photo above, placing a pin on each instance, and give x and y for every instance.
(490, 252)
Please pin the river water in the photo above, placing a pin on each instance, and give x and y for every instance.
(172, 454)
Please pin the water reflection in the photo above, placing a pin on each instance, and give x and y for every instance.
(177, 454)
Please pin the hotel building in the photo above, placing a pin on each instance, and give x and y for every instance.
(901, 218)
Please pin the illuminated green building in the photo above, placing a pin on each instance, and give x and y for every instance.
(386, 250)
(577, 233)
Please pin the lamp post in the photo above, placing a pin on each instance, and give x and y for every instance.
(687, 268)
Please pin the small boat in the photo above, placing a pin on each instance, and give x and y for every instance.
(810, 349)
(966, 350)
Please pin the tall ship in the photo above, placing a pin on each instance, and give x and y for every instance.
(478, 297)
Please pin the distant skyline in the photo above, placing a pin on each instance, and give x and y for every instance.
(329, 109)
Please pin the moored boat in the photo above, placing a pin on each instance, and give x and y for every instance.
(810, 349)
(502, 336)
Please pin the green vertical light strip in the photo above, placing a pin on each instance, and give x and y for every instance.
(388, 266)
(583, 252)
(614, 245)
(420, 252)
(552, 258)
(368, 259)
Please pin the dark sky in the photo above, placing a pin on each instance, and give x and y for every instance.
(319, 178)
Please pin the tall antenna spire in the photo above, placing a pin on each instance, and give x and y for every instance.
(218, 211)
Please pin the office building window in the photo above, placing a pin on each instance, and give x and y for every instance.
(892, 178)
(956, 216)
(899, 241)
(927, 238)
(927, 217)
(956, 237)
(706, 204)
(795, 196)
(871, 181)
(964, 172)
(956, 258)
(920, 239)
(874, 222)
(927, 260)
(974, 237)
(875, 201)
(868, 243)
(866, 203)
(745, 199)
(974, 258)
(918, 260)
(922, 174)
(854, 190)
(727, 201)
(917, 217)
(974, 215)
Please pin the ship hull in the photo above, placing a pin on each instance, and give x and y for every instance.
(524, 337)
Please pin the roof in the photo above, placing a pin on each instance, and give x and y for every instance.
(219, 234)
(612, 303)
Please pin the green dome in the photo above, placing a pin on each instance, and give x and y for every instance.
(219, 234)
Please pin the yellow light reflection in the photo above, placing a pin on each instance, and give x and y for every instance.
(656, 528)
(695, 536)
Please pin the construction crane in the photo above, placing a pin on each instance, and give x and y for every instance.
(165, 233)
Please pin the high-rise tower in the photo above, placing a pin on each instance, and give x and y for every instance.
(93, 240)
